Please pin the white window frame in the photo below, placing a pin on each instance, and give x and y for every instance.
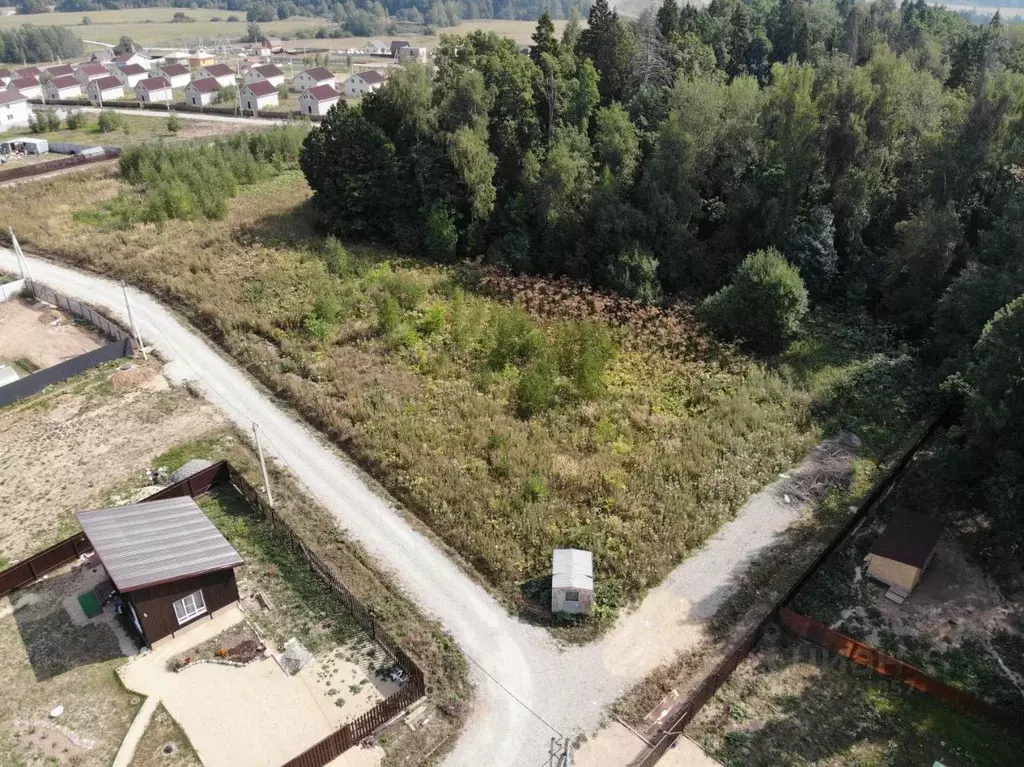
(189, 607)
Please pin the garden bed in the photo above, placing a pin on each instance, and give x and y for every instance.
(238, 646)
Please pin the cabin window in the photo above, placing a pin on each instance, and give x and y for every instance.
(190, 607)
(572, 596)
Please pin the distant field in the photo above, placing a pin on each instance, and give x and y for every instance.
(152, 26)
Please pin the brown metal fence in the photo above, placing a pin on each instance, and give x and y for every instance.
(887, 665)
(685, 709)
(38, 169)
(37, 565)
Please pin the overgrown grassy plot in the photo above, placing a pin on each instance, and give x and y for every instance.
(792, 703)
(613, 427)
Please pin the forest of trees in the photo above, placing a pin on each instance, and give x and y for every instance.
(29, 43)
(760, 157)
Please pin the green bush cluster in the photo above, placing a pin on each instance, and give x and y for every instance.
(44, 121)
(111, 121)
(186, 182)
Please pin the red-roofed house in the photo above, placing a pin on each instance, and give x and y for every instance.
(5, 77)
(27, 72)
(29, 87)
(130, 75)
(105, 89)
(86, 73)
(61, 70)
(258, 95)
(13, 110)
(199, 93)
(312, 78)
(361, 83)
(222, 73)
(178, 75)
(60, 88)
(127, 58)
(317, 100)
(267, 72)
(154, 90)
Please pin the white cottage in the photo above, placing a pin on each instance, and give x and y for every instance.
(60, 88)
(572, 581)
(86, 73)
(199, 93)
(377, 48)
(130, 75)
(154, 90)
(268, 72)
(317, 100)
(29, 87)
(128, 58)
(311, 78)
(222, 73)
(105, 89)
(178, 75)
(361, 83)
(13, 110)
(257, 96)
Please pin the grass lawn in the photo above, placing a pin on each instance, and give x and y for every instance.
(792, 703)
(164, 744)
(682, 433)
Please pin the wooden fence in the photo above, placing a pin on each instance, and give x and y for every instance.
(38, 169)
(894, 668)
(686, 707)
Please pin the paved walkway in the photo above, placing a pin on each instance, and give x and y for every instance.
(135, 733)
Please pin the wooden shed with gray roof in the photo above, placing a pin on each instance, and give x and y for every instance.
(168, 562)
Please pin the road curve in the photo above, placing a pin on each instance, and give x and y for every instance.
(500, 731)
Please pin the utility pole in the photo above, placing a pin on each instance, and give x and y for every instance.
(131, 321)
(26, 272)
(263, 464)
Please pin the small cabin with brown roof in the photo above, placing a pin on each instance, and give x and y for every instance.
(222, 73)
(199, 93)
(168, 563)
(900, 555)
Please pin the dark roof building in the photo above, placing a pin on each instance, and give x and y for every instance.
(323, 93)
(900, 555)
(396, 44)
(206, 85)
(11, 97)
(132, 69)
(320, 74)
(154, 84)
(174, 70)
(61, 70)
(372, 77)
(169, 563)
(219, 70)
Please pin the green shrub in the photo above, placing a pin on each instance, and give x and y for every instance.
(635, 274)
(433, 320)
(77, 120)
(537, 390)
(109, 122)
(389, 314)
(405, 288)
(174, 123)
(762, 307)
(514, 340)
(336, 258)
(583, 351)
(442, 235)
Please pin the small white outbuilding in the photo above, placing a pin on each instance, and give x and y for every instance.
(572, 581)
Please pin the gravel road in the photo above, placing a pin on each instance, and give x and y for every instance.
(528, 687)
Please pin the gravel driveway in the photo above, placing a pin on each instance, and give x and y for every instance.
(528, 687)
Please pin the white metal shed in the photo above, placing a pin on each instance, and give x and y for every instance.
(572, 581)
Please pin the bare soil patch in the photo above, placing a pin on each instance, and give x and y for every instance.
(239, 644)
(66, 448)
(164, 744)
(42, 334)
